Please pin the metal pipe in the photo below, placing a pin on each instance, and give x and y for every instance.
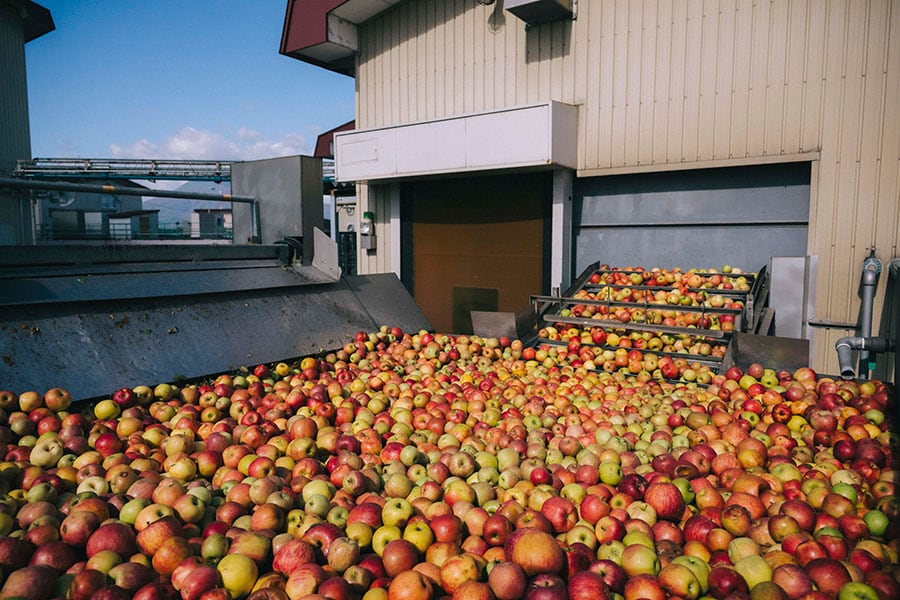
(846, 345)
(868, 284)
(65, 186)
(90, 188)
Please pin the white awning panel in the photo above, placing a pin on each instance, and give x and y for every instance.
(539, 135)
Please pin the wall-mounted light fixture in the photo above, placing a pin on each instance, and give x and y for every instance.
(367, 231)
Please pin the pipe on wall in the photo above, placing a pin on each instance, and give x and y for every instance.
(866, 344)
(846, 345)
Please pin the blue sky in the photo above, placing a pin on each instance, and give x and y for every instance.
(176, 79)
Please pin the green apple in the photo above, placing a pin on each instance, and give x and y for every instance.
(846, 490)
(129, 511)
(754, 569)
(769, 379)
(107, 409)
(201, 492)
(877, 522)
(639, 559)
(361, 532)
(46, 452)
(163, 391)
(638, 537)
(318, 486)
(337, 515)
(397, 485)
(507, 457)
(214, 547)
(383, 535)
(573, 492)
(855, 590)
(610, 472)
(684, 486)
(611, 550)
(239, 574)
(317, 504)
(698, 566)
(410, 455)
(396, 512)
(679, 581)
(786, 471)
(490, 475)
(419, 534)
(741, 547)
(486, 459)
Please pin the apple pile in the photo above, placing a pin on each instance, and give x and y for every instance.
(425, 466)
(726, 279)
(668, 342)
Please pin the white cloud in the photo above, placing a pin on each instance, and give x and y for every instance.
(194, 144)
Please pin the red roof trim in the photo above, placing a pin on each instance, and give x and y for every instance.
(324, 148)
(305, 24)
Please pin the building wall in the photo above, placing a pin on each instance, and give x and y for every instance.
(15, 140)
(671, 85)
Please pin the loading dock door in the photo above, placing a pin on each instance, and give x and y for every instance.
(474, 243)
(708, 218)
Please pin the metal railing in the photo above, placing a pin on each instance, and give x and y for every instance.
(125, 168)
(164, 231)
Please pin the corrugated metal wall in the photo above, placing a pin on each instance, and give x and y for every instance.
(684, 84)
(14, 133)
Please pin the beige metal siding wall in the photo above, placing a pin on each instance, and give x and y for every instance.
(14, 133)
(693, 83)
(376, 199)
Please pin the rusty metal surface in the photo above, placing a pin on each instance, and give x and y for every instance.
(95, 347)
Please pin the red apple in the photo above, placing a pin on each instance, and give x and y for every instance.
(507, 581)
(536, 552)
(587, 585)
(828, 574)
(546, 586)
(644, 587)
(114, 536)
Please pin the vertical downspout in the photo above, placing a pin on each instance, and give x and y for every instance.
(871, 270)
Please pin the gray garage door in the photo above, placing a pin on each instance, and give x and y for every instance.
(708, 218)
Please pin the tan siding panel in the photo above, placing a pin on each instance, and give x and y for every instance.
(827, 199)
(725, 52)
(401, 63)
(473, 76)
(775, 78)
(740, 96)
(847, 260)
(598, 97)
(580, 75)
(871, 125)
(795, 57)
(759, 63)
(458, 34)
(677, 56)
(889, 179)
(567, 90)
(647, 83)
(480, 64)
(706, 97)
(661, 85)
(814, 76)
(619, 83)
(632, 61)
(693, 49)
